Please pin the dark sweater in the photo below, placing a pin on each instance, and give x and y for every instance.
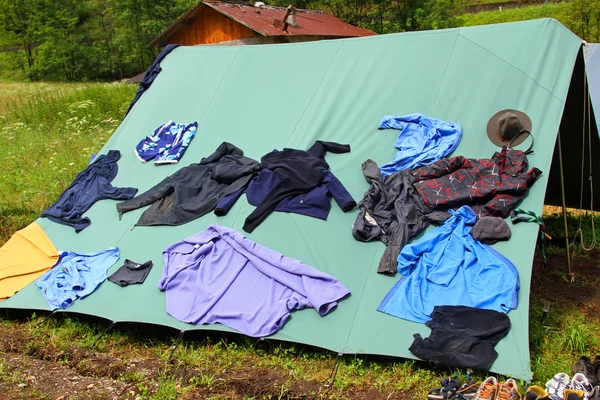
(90, 185)
(298, 172)
(316, 203)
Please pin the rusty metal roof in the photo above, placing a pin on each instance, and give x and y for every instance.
(261, 20)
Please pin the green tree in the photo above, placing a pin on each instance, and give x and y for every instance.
(585, 19)
(18, 28)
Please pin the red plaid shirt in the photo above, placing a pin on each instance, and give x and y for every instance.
(490, 186)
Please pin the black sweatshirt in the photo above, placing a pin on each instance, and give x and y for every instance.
(299, 172)
(194, 190)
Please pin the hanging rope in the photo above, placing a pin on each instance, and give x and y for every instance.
(587, 123)
(531, 216)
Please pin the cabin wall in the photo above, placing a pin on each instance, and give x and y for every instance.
(210, 26)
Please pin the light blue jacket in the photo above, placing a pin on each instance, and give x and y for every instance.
(75, 276)
(448, 267)
(423, 140)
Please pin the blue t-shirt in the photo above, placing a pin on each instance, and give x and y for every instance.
(75, 276)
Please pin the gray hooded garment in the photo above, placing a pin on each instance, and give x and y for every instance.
(195, 190)
(393, 212)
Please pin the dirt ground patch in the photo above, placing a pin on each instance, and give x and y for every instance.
(550, 282)
(27, 377)
(44, 371)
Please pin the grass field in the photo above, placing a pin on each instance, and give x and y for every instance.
(558, 11)
(49, 132)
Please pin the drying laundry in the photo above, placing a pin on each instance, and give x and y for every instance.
(220, 276)
(448, 267)
(423, 140)
(316, 203)
(75, 276)
(92, 184)
(492, 187)
(298, 173)
(131, 273)
(167, 144)
(462, 337)
(26, 256)
(195, 190)
(151, 74)
(392, 211)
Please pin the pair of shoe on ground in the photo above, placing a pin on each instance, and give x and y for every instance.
(562, 387)
(490, 389)
(452, 389)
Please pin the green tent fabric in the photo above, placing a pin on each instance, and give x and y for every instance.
(274, 96)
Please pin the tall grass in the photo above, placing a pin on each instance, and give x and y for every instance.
(47, 134)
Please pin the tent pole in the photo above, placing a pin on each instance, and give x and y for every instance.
(333, 372)
(103, 333)
(177, 341)
(571, 275)
(45, 319)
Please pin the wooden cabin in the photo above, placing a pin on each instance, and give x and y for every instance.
(234, 23)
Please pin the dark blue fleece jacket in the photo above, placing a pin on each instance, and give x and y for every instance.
(92, 184)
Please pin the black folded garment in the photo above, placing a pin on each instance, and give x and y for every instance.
(131, 273)
(462, 337)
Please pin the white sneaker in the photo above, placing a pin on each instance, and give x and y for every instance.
(487, 390)
(580, 382)
(557, 385)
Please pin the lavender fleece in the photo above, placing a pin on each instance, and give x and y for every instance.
(220, 276)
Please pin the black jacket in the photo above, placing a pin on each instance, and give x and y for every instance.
(299, 172)
(194, 190)
(393, 212)
(90, 185)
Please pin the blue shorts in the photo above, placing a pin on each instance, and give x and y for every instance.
(167, 144)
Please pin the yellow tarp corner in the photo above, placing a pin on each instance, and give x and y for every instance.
(27, 255)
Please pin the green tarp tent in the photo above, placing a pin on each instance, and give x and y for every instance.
(274, 96)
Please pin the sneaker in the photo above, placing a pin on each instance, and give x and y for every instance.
(536, 393)
(571, 394)
(580, 382)
(468, 389)
(584, 365)
(508, 390)
(449, 386)
(487, 390)
(557, 385)
(596, 364)
(594, 394)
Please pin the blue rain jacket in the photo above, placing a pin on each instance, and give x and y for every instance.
(75, 276)
(447, 267)
(423, 140)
